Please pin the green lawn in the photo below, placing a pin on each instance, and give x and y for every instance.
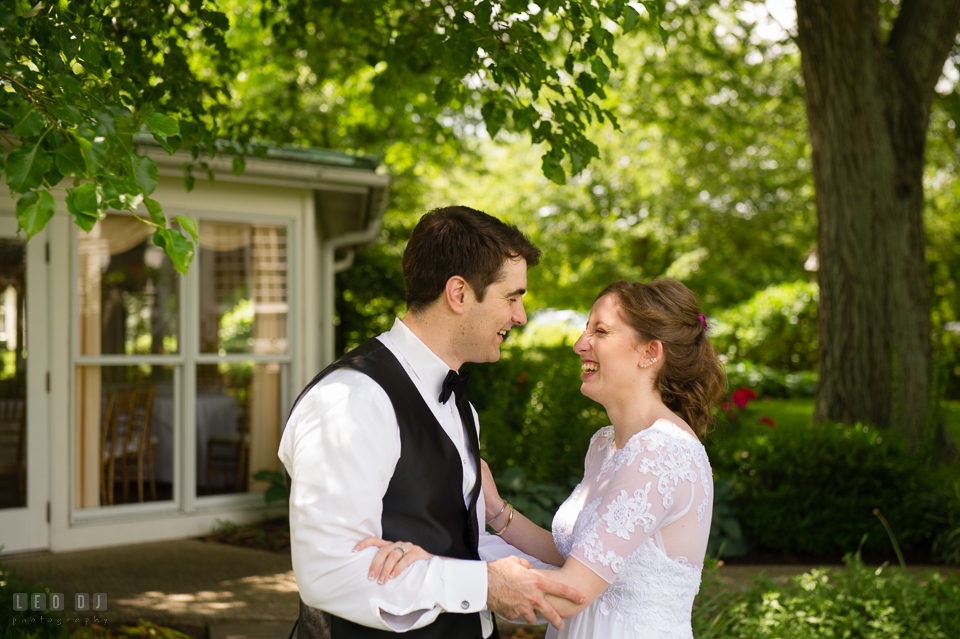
(799, 412)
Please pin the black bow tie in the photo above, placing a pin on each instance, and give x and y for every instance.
(453, 384)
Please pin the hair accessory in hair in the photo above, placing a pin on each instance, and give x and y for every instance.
(703, 320)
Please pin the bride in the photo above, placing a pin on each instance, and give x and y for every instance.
(633, 534)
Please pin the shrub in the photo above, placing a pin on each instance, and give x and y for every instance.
(777, 327)
(532, 414)
(813, 490)
(769, 382)
(946, 545)
(26, 624)
(538, 502)
(867, 603)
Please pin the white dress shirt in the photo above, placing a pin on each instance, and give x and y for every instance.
(340, 446)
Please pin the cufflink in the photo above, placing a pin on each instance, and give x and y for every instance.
(465, 604)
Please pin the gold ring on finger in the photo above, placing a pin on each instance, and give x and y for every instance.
(403, 551)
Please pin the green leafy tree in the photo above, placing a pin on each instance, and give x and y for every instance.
(80, 80)
(695, 185)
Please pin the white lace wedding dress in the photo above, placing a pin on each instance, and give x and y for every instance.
(640, 519)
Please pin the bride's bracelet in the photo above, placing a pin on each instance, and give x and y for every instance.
(507, 525)
(502, 508)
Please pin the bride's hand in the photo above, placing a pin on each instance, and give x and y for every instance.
(392, 558)
(494, 503)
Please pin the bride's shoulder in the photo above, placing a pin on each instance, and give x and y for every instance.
(599, 444)
(602, 437)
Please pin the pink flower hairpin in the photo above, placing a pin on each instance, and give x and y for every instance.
(703, 320)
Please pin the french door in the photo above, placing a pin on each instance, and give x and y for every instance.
(24, 366)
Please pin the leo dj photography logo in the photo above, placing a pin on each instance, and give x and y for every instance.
(56, 602)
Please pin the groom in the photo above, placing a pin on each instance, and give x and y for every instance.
(383, 443)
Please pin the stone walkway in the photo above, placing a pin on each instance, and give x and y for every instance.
(236, 593)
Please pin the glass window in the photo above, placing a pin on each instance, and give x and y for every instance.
(238, 425)
(13, 374)
(243, 288)
(123, 435)
(128, 291)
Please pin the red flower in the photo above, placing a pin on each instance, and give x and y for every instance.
(768, 421)
(743, 396)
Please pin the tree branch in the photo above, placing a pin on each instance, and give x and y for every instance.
(921, 39)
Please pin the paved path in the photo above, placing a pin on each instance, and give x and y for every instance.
(237, 593)
(189, 582)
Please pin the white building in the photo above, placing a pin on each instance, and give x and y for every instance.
(109, 356)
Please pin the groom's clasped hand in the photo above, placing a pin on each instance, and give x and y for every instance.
(526, 596)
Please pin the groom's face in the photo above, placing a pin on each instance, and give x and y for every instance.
(487, 322)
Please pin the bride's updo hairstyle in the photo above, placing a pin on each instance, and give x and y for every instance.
(690, 379)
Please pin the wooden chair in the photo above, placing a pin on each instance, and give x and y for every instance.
(108, 438)
(13, 432)
(130, 442)
(230, 452)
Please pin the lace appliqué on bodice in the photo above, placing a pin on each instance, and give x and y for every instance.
(613, 520)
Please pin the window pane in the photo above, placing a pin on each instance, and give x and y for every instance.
(123, 435)
(238, 425)
(13, 374)
(128, 291)
(243, 288)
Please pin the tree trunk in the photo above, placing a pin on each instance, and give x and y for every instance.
(868, 105)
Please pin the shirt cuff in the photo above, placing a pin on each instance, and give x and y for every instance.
(464, 585)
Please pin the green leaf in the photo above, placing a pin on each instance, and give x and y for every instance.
(90, 51)
(631, 18)
(177, 248)
(26, 166)
(169, 145)
(576, 163)
(155, 211)
(34, 210)
(493, 117)
(52, 177)
(145, 172)
(68, 85)
(189, 225)
(525, 118)
(188, 182)
(29, 122)
(600, 70)
(93, 154)
(23, 9)
(239, 165)
(552, 169)
(85, 200)
(162, 124)
(66, 113)
(260, 152)
(69, 159)
(587, 84)
(83, 217)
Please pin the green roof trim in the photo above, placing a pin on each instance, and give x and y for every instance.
(298, 154)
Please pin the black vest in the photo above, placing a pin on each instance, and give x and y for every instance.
(423, 503)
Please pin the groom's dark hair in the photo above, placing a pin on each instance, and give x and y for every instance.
(458, 240)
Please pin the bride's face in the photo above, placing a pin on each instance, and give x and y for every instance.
(610, 354)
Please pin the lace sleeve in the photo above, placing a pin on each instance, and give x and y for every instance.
(598, 443)
(652, 485)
